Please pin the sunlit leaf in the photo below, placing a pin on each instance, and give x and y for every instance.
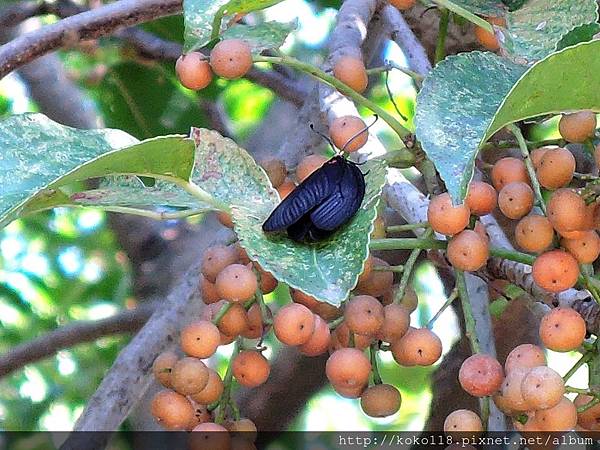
(489, 92)
(534, 30)
(266, 35)
(39, 155)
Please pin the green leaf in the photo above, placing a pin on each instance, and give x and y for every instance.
(130, 192)
(534, 30)
(454, 107)
(327, 271)
(266, 35)
(583, 33)
(147, 101)
(489, 8)
(39, 155)
(199, 15)
(488, 93)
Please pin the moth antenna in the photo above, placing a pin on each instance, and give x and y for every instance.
(324, 136)
(376, 117)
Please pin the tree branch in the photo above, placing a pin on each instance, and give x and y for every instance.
(86, 25)
(72, 334)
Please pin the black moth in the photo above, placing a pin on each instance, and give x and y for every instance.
(321, 204)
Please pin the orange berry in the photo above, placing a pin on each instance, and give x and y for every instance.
(172, 410)
(555, 271)
(515, 199)
(590, 418)
(556, 168)
(349, 133)
(380, 400)
(534, 233)
(418, 347)
(351, 71)
(163, 367)
(236, 283)
(193, 71)
(349, 391)
(212, 391)
(542, 388)
(255, 323)
(200, 339)
(562, 329)
(189, 376)
(304, 299)
(537, 154)
(250, 368)
(468, 251)
(567, 211)
(508, 170)
(209, 436)
(585, 249)
(319, 341)
(225, 219)
(294, 324)
(285, 188)
(208, 291)
(275, 170)
(364, 315)
(231, 58)
(403, 5)
(480, 375)
(446, 218)
(486, 39)
(378, 282)
(525, 356)
(562, 417)
(348, 367)
(482, 198)
(268, 282)
(396, 320)
(510, 390)
(216, 258)
(308, 165)
(341, 338)
(462, 420)
(577, 127)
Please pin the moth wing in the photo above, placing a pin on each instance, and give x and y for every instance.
(344, 201)
(310, 193)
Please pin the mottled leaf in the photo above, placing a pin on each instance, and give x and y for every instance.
(489, 8)
(454, 108)
(328, 270)
(489, 92)
(266, 35)
(583, 33)
(39, 155)
(199, 15)
(228, 172)
(534, 30)
(130, 192)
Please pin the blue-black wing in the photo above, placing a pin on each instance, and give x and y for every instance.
(343, 202)
(305, 197)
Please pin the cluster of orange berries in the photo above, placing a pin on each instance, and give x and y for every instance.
(568, 214)
(527, 390)
(229, 59)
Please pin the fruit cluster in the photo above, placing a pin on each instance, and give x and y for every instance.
(527, 390)
(570, 213)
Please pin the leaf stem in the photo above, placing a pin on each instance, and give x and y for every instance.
(374, 364)
(224, 309)
(396, 269)
(406, 227)
(580, 362)
(512, 255)
(408, 268)
(264, 309)
(335, 323)
(440, 47)
(342, 87)
(529, 164)
(575, 390)
(216, 23)
(453, 296)
(228, 382)
(459, 10)
(470, 331)
(407, 244)
(588, 405)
